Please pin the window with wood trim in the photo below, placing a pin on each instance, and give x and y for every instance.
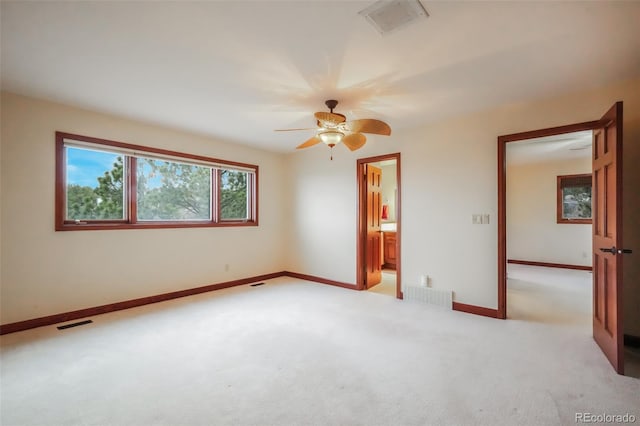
(103, 184)
(574, 198)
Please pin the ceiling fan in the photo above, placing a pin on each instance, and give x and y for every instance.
(334, 128)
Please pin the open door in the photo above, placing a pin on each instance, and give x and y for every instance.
(607, 237)
(606, 208)
(374, 212)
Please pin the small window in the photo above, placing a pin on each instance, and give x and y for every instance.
(112, 185)
(574, 199)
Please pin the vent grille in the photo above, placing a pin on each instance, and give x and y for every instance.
(74, 324)
(388, 16)
(429, 295)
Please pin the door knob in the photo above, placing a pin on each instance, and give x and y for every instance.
(613, 250)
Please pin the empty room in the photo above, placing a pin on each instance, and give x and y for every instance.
(319, 212)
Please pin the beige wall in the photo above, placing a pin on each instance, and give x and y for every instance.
(307, 207)
(533, 233)
(449, 172)
(46, 272)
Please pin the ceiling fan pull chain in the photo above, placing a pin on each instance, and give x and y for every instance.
(331, 147)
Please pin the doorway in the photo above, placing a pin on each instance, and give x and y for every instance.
(606, 230)
(378, 245)
(549, 235)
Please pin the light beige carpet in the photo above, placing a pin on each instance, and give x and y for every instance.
(298, 353)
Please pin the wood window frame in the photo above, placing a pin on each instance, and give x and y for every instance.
(560, 219)
(129, 182)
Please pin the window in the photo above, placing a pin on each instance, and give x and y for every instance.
(95, 188)
(171, 191)
(233, 195)
(112, 185)
(574, 199)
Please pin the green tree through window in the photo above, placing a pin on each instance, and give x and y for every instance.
(233, 197)
(574, 198)
(173, 191)
(104, 201)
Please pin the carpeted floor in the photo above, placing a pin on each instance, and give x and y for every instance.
(298, 353)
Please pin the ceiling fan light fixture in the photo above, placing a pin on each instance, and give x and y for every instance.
(331, 137)
(333, 128)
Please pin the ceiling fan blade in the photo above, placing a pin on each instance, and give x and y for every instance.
(329, 118)
(293, 130)
(310, 142)
(370, 125)
(354, 141)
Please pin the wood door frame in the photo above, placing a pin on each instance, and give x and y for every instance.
(502, 196)
(361, 212)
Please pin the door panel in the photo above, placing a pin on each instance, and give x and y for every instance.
(374, 214)
(607, 234)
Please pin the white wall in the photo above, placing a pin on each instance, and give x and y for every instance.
(533, 233)
(323, 221)
(46, 272)
(449, 172)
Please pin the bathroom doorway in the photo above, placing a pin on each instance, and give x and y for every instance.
(378, 245)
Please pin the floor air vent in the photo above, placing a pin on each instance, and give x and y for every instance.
(75, 324)
(429, 295)
(256, 284)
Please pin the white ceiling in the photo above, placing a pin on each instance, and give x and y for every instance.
(567, 146)
(236, 70)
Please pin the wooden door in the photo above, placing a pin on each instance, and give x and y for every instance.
(374, 214)
(607, 237)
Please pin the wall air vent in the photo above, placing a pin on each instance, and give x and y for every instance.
(389, 15)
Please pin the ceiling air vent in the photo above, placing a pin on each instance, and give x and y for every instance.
(389, 15)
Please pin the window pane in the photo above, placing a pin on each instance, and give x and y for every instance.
(169, 191)
(576, 202)
(233, 195)
(94, 185)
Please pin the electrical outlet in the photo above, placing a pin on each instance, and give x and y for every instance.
(226, 267)
(424, 280)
